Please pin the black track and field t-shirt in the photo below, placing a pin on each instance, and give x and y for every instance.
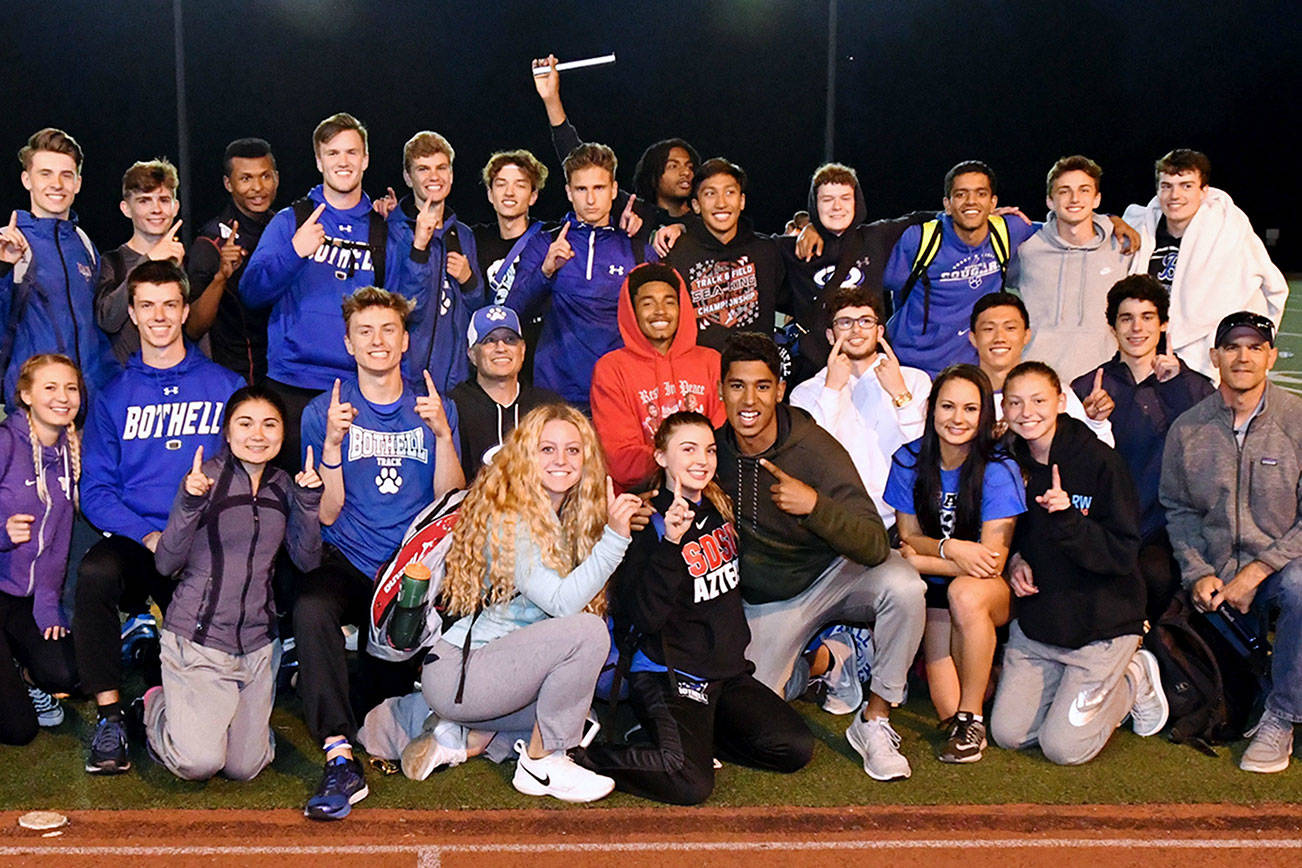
(1166, 251)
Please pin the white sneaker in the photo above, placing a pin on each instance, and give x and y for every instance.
(557, 775)
(441, 744)
(844, 690)
(1150, 710)
(1271, 746)
(879, 745)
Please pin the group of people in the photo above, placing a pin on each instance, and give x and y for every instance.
(736, 469)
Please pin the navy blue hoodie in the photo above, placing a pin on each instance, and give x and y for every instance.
(305, 333)
(140, 439)
(47, 303)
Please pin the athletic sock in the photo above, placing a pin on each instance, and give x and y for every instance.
(111, 711)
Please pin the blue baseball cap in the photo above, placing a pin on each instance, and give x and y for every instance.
(486, 319)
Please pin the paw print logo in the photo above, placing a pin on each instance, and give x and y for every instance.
(388, 481)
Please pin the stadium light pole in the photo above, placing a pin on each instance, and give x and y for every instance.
(182, 122)
(829, 126)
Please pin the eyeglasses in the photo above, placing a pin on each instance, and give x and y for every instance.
(845, 323)
(510, 339)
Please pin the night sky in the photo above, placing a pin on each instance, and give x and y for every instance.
(921, 85)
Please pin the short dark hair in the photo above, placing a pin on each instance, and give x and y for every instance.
(50, 139)
(964, 168)
(146, 177)
(157, 272)
(1074, 163)
(1143, 287)
(834, 173)
(651, 165)
(1033, 367)
(718, 166)
(998, 299)
(526, 162)
(1183, 160)
(244, 394)
(750, 347)
(650, 272)
(853, 296)
(246, 149)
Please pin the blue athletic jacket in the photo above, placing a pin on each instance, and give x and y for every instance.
(47, 303)
(583, 324)
(140, 439)
(305, 334)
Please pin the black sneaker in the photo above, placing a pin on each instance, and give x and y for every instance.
(108, 748)
(967, 739)
(342, 786)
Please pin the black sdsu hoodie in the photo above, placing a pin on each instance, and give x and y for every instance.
(1085, 559)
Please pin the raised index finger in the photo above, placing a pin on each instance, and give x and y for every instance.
(316, 215)
(197, 467)
(176, 227)
(773, 468)
(1057, 480)
(628, 209)
(307, 460)
(1098, 379)
(334, 393)
(13, 219)
(429, 385)
(565, 227)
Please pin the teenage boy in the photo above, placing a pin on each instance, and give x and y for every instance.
(735, 275)
(1064, 271)
(490, 403)
(1201, 246)
(999, 330)
(934, 280)
(237, 333)
(581, 268)
(386, 454)
(142, 433)
(659, 371)
(436, 326)
(513, 180)
(1146, 390)
(847, 251)
(47, 270)
(1237, 543)
(149, 202)
(311, 256)
(814, 549)
(864, 397)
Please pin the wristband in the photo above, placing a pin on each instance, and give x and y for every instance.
(328, 466)
(940, 549)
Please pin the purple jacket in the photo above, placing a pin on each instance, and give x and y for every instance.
(35, 568)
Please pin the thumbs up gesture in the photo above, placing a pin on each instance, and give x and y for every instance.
(1098, 403)
(309, 236)
(1054, 498)
(339, 418)
(232, 254)
(790, 494)
(13, 244)
(429, 407)
(307, 477)
(170, 247)
(559, 253)
(196, 482)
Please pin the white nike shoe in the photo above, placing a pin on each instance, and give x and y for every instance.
(1150, 710)
(559, 776)
(879, 745)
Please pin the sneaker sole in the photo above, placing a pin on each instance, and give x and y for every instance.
(420, 758)
(862, 750)
(1149, 662)
(958, 760)
(112, 770)
(1264, 769)
(50, 721)
(530, 787)
(323, 814)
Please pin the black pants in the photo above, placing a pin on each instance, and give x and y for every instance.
(1161, 573)
(117, 574)
(334, 594)
(743, 722)
(50, 661)
(296, 400)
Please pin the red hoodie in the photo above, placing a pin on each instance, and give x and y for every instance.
(635, 387)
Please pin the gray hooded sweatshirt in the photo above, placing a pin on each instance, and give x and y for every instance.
(1065, 288)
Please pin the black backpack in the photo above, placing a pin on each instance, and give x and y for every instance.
(377, 235)
(1215, 673)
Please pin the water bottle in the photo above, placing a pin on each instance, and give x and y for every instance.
(408, 621)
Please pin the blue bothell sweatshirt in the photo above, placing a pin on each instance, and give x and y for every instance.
(437, 327)
(47, 303)
(140, 439)
(388, 468)
(305, 333)
(583, 323)
(959, 275)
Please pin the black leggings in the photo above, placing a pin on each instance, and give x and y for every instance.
(743, 723)
(117, 574)
(50, 662)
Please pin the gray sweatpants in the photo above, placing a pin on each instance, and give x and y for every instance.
(214, 711)
(545, 673)
(890, 596)
(1067, 699)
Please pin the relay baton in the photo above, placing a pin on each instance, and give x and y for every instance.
(576, 64)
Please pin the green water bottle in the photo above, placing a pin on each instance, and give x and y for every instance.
(405, 627)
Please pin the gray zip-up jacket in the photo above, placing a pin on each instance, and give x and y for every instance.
(1228, 505)
(223, 546)
(1065, 288)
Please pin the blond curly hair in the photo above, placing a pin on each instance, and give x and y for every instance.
(508, 497)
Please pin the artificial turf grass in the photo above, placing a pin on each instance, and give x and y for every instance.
(48, 774)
